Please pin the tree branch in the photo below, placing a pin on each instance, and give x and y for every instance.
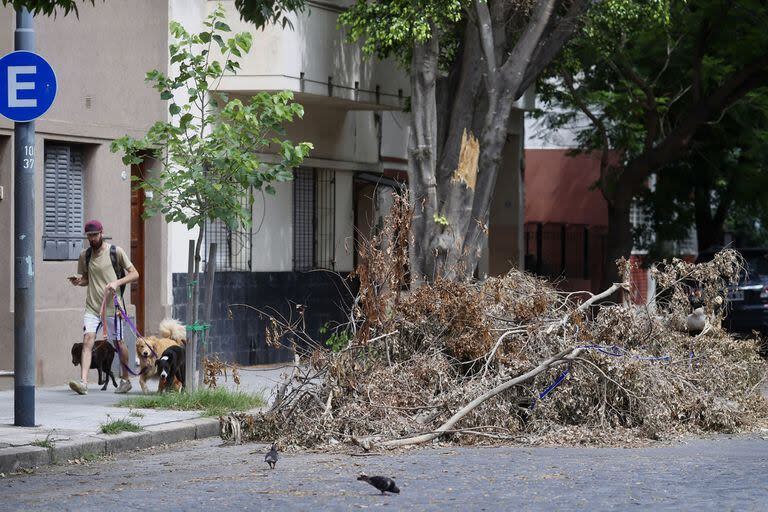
(485, 29)
(651, 113)
(563, 357)
(749, 77)
(519, 59)
(549, 47)
(596, 122)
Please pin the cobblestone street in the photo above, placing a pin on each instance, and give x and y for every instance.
(701, 474)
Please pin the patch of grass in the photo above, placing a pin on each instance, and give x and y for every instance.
(121, 425)
(136, 414)
(213, 402)
(48, 442)
(93, 456)
(88, 457)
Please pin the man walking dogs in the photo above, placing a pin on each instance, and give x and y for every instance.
(101, 268)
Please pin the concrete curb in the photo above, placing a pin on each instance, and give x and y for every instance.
(15, 458)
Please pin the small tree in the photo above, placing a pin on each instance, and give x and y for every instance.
(207, 150)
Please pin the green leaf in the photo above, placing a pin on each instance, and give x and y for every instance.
(220, 25)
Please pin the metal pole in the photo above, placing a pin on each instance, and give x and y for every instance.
(24, 250)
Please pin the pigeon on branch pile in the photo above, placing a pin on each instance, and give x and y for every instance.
(696, 321)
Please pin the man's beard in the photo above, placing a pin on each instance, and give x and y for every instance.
(96, 245)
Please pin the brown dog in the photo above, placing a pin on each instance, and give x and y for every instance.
(172, 333)
(148, 350)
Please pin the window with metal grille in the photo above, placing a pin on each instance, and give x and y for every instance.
(325, 219)
(314, 219)
(642, 221)
(63, 202)
(303, 219)
(233, 247)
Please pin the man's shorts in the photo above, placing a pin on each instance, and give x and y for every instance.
(92, 323)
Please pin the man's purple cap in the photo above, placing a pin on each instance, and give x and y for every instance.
(93, 226)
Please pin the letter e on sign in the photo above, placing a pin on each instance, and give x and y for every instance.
(27, 86)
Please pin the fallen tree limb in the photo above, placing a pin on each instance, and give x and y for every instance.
(496, 347)
(607, 293)
(587, 303)
(280, 395)
(562, 357)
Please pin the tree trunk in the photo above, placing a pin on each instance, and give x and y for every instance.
(619, 243)
(422, 154)
(190, 377)
(709, 230)
(709, 234)
(457, 164)
(491, 147)
(451, 195)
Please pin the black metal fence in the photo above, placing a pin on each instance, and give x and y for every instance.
(566, 251)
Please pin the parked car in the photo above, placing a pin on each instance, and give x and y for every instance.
(748, 300)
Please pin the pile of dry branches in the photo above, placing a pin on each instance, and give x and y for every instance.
(511, 358)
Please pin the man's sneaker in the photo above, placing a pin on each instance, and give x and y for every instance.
(79, 387)
(124, 387)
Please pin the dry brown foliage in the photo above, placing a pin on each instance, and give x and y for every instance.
(381, 270)
(415, 360)
(213, 368)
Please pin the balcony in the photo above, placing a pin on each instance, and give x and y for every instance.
(314, 61)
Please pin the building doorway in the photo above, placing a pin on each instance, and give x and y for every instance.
(137, 245)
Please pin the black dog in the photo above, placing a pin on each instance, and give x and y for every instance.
(170, 367)
(101, 360)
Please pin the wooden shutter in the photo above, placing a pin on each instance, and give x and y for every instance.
(63, 202)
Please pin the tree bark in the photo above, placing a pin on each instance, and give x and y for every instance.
(491, 147)
(619, 243)
(451, 199)
(422, 154)
(710, 229)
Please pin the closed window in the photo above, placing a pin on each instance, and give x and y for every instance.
(63, 202)
(233, 247)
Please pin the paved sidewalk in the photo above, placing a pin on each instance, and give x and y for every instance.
(72, 422)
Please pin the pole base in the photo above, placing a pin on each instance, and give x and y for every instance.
(24, 406)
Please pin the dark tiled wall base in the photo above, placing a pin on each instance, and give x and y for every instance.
(242, 338)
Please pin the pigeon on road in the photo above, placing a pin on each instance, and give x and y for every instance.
(272, 456)
(382, 483)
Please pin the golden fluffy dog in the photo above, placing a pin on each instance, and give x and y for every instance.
(148, 349)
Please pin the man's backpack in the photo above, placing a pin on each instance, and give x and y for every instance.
(119, 271)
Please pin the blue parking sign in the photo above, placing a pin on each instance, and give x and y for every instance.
(27, 86)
